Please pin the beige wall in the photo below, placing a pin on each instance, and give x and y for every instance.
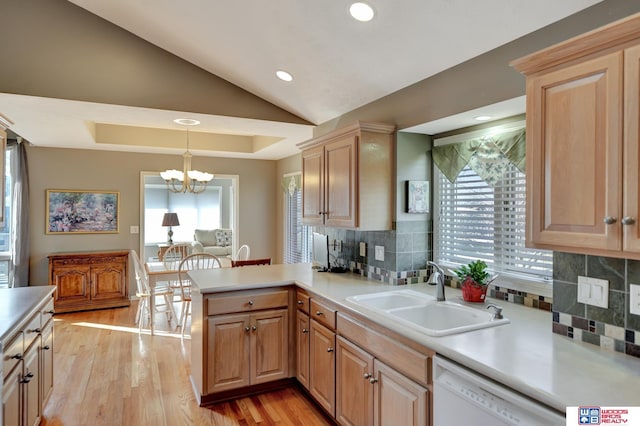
(291, 164)
(51, 168)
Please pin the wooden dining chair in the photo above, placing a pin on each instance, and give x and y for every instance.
(195, 261)
(264, 261)
(143, 292)
(243, 252)
(171, 260)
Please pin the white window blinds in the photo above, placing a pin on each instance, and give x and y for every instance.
(297, 236)
(474, 220)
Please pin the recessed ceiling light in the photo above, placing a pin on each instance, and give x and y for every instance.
(483, 118)
(186, 121)
(361, 12)
(284, 76)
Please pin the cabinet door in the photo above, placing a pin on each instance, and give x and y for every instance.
(313, 184)
(322, 366)
(46, 360)
(340, 182)
(227, 352)
(354, 391)
(398, 400)
(11, 403)
(302, 348)
(72, 283)
(269, 346)
(31, 385)
(631, 234)
(108, 282)
(574, 155)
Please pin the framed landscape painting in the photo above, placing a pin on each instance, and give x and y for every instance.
(82, 212)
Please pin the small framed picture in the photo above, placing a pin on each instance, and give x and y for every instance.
(417, 196)
(82, 212)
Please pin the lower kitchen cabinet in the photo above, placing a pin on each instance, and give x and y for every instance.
(368, 392)
(302, 348)
(247, 349)
(322, 366)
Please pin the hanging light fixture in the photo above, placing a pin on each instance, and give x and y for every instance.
(186, 180)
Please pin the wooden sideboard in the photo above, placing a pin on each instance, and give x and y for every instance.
(89, 280)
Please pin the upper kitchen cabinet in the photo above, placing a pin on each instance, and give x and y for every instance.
(347, 177)
(582, 142)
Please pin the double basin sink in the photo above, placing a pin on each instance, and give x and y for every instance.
(423, 313)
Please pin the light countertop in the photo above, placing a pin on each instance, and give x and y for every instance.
(17, 304)
(524, 355)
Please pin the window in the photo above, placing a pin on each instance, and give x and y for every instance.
(297, 236)
(474, 220)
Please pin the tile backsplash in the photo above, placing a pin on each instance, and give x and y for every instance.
(613, 328)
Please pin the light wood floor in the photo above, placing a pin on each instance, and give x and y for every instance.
(108, 374)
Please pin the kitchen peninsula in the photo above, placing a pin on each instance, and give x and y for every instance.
(524, 355)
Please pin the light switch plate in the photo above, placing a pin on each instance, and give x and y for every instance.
(380, 253)
(363, 249)
(593, 291)
(133, 229)
(634, 299)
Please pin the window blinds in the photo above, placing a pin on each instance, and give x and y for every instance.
(297, 236)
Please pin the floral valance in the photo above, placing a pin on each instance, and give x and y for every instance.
(291, 183)
(488, 156)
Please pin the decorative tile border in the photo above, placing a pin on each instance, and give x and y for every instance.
(606, 336)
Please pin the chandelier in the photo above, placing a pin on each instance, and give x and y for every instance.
(186, 180)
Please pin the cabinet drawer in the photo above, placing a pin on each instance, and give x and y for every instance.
(408, 361)
(47, 312)
(32, 330)
(302, 301)
(246, 301)
(323, 314)
(13, 352)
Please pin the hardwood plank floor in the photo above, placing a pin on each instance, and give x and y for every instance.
(108, 374)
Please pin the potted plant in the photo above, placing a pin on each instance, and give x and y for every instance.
(474, 280)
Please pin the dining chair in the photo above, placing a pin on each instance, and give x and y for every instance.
(263, 261)
(171, 260)
(143, 292)
(243, 252)
(194, 261)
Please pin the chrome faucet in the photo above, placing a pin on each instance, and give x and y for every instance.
(437, 278)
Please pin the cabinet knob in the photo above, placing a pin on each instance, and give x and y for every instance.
(628, 220)
(305, 330)
(300, 302)
(51, 312)
(16, 356)
(373, 380)
(609, 220)
(367, 375)
(46, 347)
(246, 329)
(29, 375)
(35, 330)
(254, 328)
(250, 302)
(329, 349)
(319, 313)
(25, 380)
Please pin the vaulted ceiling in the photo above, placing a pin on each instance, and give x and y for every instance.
(115, 74)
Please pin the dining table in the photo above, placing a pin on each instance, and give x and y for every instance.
(158, 272)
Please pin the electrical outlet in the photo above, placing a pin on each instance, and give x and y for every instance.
(363, 249)
(380, 253)
(593, 291)
(634, 299)
(133, 229)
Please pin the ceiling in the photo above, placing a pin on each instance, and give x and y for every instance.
(338, 63)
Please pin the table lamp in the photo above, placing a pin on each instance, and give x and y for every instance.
(170, 219)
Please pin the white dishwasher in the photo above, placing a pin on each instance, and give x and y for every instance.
(461, 397)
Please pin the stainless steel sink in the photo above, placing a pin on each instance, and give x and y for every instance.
(424, 314)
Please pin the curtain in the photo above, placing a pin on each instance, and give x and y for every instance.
(19, 216)
(488, 156)
(291, 183)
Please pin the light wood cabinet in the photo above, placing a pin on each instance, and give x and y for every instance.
(247, 349)
(354, 385)
(302, 348)
(347, 177)
(582, 142)
(398, 400)
(322, 366)
(89, 280)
